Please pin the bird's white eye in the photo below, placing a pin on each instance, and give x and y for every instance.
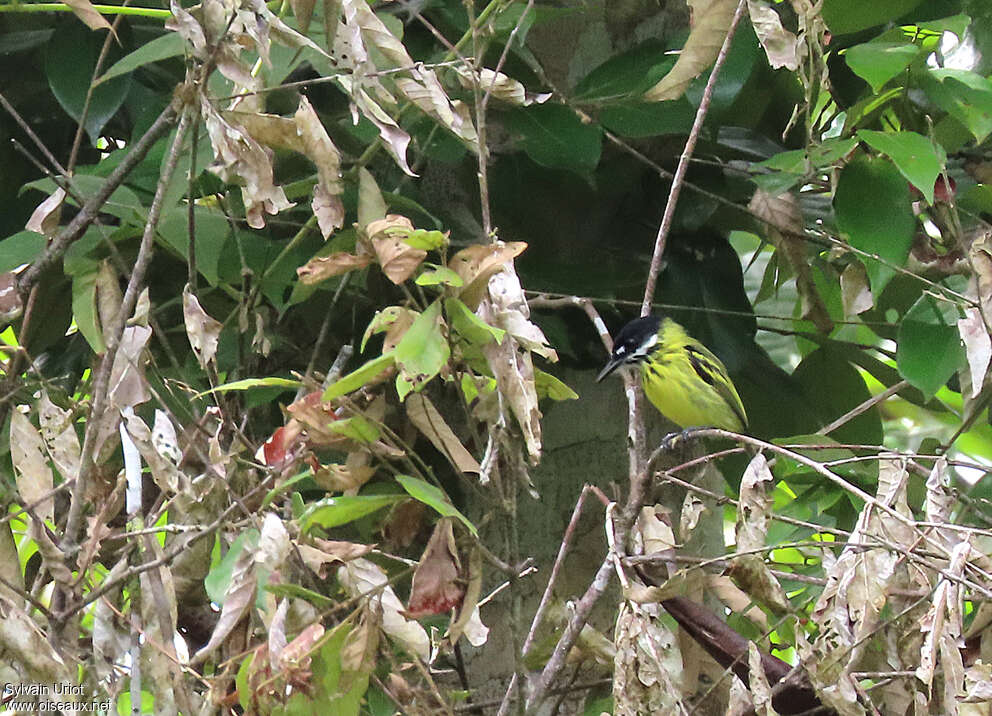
(620, 350)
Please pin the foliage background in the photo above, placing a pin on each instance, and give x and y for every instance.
(318, 396)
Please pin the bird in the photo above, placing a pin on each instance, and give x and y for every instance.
(681, 377)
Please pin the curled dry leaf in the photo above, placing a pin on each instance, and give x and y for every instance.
(45, 218)
(343, 478)
(240, 159)
(360, 646)
(502, 87)
(60, 437)
(84, 10)
(25, 644)
(325, 552)
(428, 420)
(238, 598)
(512, 314)
(710, 21)
(32, 474)
(782, 47)
(476, 264)
(855, 291)
(202, 330)
(321, 268)
(398, 259)
(784, 222)
(273, 543)
(362, 578)
(437, 584)
(296, 654)
(977, 346)
(647, 666)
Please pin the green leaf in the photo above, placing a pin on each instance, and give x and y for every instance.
(84, 311)
(630, 73)
(649, 119)
(438, 275)
(358, 377)
(336, 511)
(846, 16)
(839, 388)
(549, 386)
(966, 96)
(422, 351)
(878, 62)
(425, 240)
(975, 199)
(161, 48)
(71, 58)
(212, 232)
(469, 326)
(553, 136)
(434, 498)
(20, 248)
(123, 203)
(914, 155)
(250, 383)
(873, 208)
(219, 578)
(357, 428)
(288, 589)
(276, 491)
(929, 350)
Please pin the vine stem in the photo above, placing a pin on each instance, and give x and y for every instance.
(683, 165)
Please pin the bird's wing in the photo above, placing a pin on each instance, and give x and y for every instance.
(709, 368)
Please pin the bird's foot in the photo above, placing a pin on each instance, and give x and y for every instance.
(678, 440)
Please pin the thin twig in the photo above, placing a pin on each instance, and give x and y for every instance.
(683, 165)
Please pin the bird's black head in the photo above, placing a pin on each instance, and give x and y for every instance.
(633, 343)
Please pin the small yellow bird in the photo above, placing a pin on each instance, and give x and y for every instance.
(681, 377)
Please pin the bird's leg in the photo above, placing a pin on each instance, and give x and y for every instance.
(678, 440)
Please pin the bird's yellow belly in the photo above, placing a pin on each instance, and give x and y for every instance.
(683, 402)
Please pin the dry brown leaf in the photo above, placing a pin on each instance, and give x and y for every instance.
(240, 159)
(437, 587)
(469, 620)
(977, 346)
(303, 12)
(710, 22)
(32, 474)
(238, 598)
(359, 578)
(398, 259)
(296, 654)
(782, 47)
(325, 552)
(25, 644)
(60, 437)
(342, 478)
(360, 646)
(45, 218)
(647, 666)
(317, 146)
(476, 264)
(785, 228)
(405, 522)
(426, 418)
(85, 11)
(202, 330)
(855, 291)
(11, 305)
(321, 268)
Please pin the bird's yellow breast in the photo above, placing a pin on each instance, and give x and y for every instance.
(688, 384)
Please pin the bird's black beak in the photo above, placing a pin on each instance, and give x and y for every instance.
(609, 368)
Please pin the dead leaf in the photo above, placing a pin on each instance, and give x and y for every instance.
(240, 159)
(426, 418)
(202, 330)
(437, 587)
(342, 478)
(45, 218)
(710, 21)
(398, 259)
(128, 385)
(325, 552)
(476, 264)
(784, 223)
(469, 620)
(782, 47)
(296, 654)
(359, 578)
(855, 291)
(84, 10)
(405, 522)
(238, 598)
(500, 86)
(32, 474)
(321, 268)
(977, 346)
(60, 437)
(360, 646)
(303, 12)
